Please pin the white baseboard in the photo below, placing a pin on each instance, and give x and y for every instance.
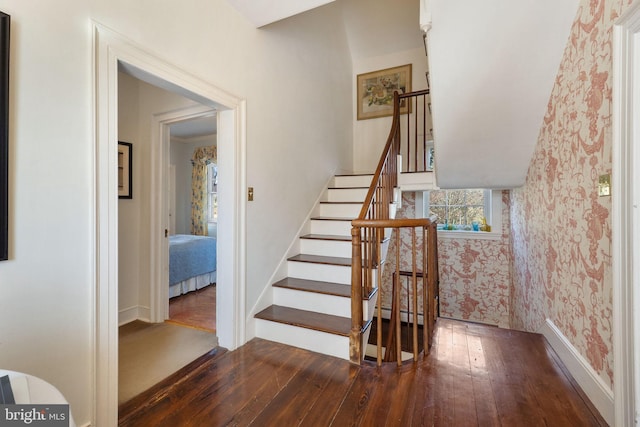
(136, 312)
(596, 390)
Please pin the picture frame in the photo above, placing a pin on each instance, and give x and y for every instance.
(375, 91)
(5, 33)
(125, 169)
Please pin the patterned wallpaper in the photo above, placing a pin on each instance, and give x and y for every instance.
(554, 259)
(474, 274)
(561, 229)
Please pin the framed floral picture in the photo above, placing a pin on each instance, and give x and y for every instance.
(375, 91)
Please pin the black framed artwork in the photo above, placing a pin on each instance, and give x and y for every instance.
(5, 24)
(125, 163)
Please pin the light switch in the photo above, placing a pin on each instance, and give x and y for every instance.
(250, 194)
(604, 185)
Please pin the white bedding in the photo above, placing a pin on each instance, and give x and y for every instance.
(192, 284)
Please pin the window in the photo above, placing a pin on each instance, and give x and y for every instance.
(212, 192)
(461, 210)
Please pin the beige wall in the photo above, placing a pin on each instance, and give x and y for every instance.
(370, 136)
(296, 78)
(137, 103)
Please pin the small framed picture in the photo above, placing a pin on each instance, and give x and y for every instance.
(430, 156)
(375, 91)
(125, 162)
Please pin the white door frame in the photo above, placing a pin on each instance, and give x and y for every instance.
(625, 218)
(159, 248)
(112, 50)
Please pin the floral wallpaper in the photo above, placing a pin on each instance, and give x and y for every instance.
(202, 156)
(474, 274)
(561, 229)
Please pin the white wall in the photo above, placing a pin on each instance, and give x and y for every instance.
(296, 78)
(370, 136)
(181, 154)
(137, 103)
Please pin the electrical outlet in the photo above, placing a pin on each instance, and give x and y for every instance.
(604, 185)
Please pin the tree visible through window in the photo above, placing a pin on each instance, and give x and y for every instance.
(459, 209)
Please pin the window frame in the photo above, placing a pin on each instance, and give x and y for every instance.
(493, 213)
(211, 193)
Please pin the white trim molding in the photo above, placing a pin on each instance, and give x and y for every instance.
(111, 52)
(159, 245)
(590, 382)
(624, 218)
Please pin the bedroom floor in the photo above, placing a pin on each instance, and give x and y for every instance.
(196, 309)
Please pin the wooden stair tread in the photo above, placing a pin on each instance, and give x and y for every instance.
(332, 218)
(334, 237)
(359, 187)
(319, 259)
(307, 319)
(355, 174)
(327, 288)
(341, 203)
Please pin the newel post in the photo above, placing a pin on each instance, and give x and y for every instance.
(355, 337)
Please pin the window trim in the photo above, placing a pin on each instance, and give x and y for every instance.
(209, 193)
(492, 206)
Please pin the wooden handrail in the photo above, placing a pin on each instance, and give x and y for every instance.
(368, 230)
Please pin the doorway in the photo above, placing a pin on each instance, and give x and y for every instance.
(192, 299)
(625, 216)
(112, 51)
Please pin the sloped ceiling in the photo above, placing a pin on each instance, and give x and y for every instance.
(263, 12)
(493, 64)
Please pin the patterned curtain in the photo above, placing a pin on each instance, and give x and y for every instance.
(202, 156)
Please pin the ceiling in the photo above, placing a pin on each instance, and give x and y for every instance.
(194, 128)
(493, 64)
(263, 12)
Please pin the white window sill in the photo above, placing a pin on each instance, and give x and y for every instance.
(472, 235)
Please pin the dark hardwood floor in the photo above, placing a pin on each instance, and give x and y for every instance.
(196, 309)
(475, 375)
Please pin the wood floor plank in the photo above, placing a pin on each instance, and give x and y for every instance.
(486, 410)
(260, 390)
(474, 376)
(330, 399)
(290, 406)
(462, 387)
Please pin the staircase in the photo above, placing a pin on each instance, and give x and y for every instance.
(312, 305)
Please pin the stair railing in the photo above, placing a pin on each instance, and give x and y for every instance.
(416, 132)
(368, 233)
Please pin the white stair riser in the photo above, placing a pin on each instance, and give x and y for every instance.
(352, 181)
(421, 181)
(340, 210)
(311, 301)
(320, 342)
(321, 272)
(326, 247)
(356, 195)
(336, 228)
(369, 307)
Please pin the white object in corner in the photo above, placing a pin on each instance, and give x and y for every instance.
(590, 382)
(425, 15)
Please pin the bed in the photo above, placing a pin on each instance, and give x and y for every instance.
(192, 263)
